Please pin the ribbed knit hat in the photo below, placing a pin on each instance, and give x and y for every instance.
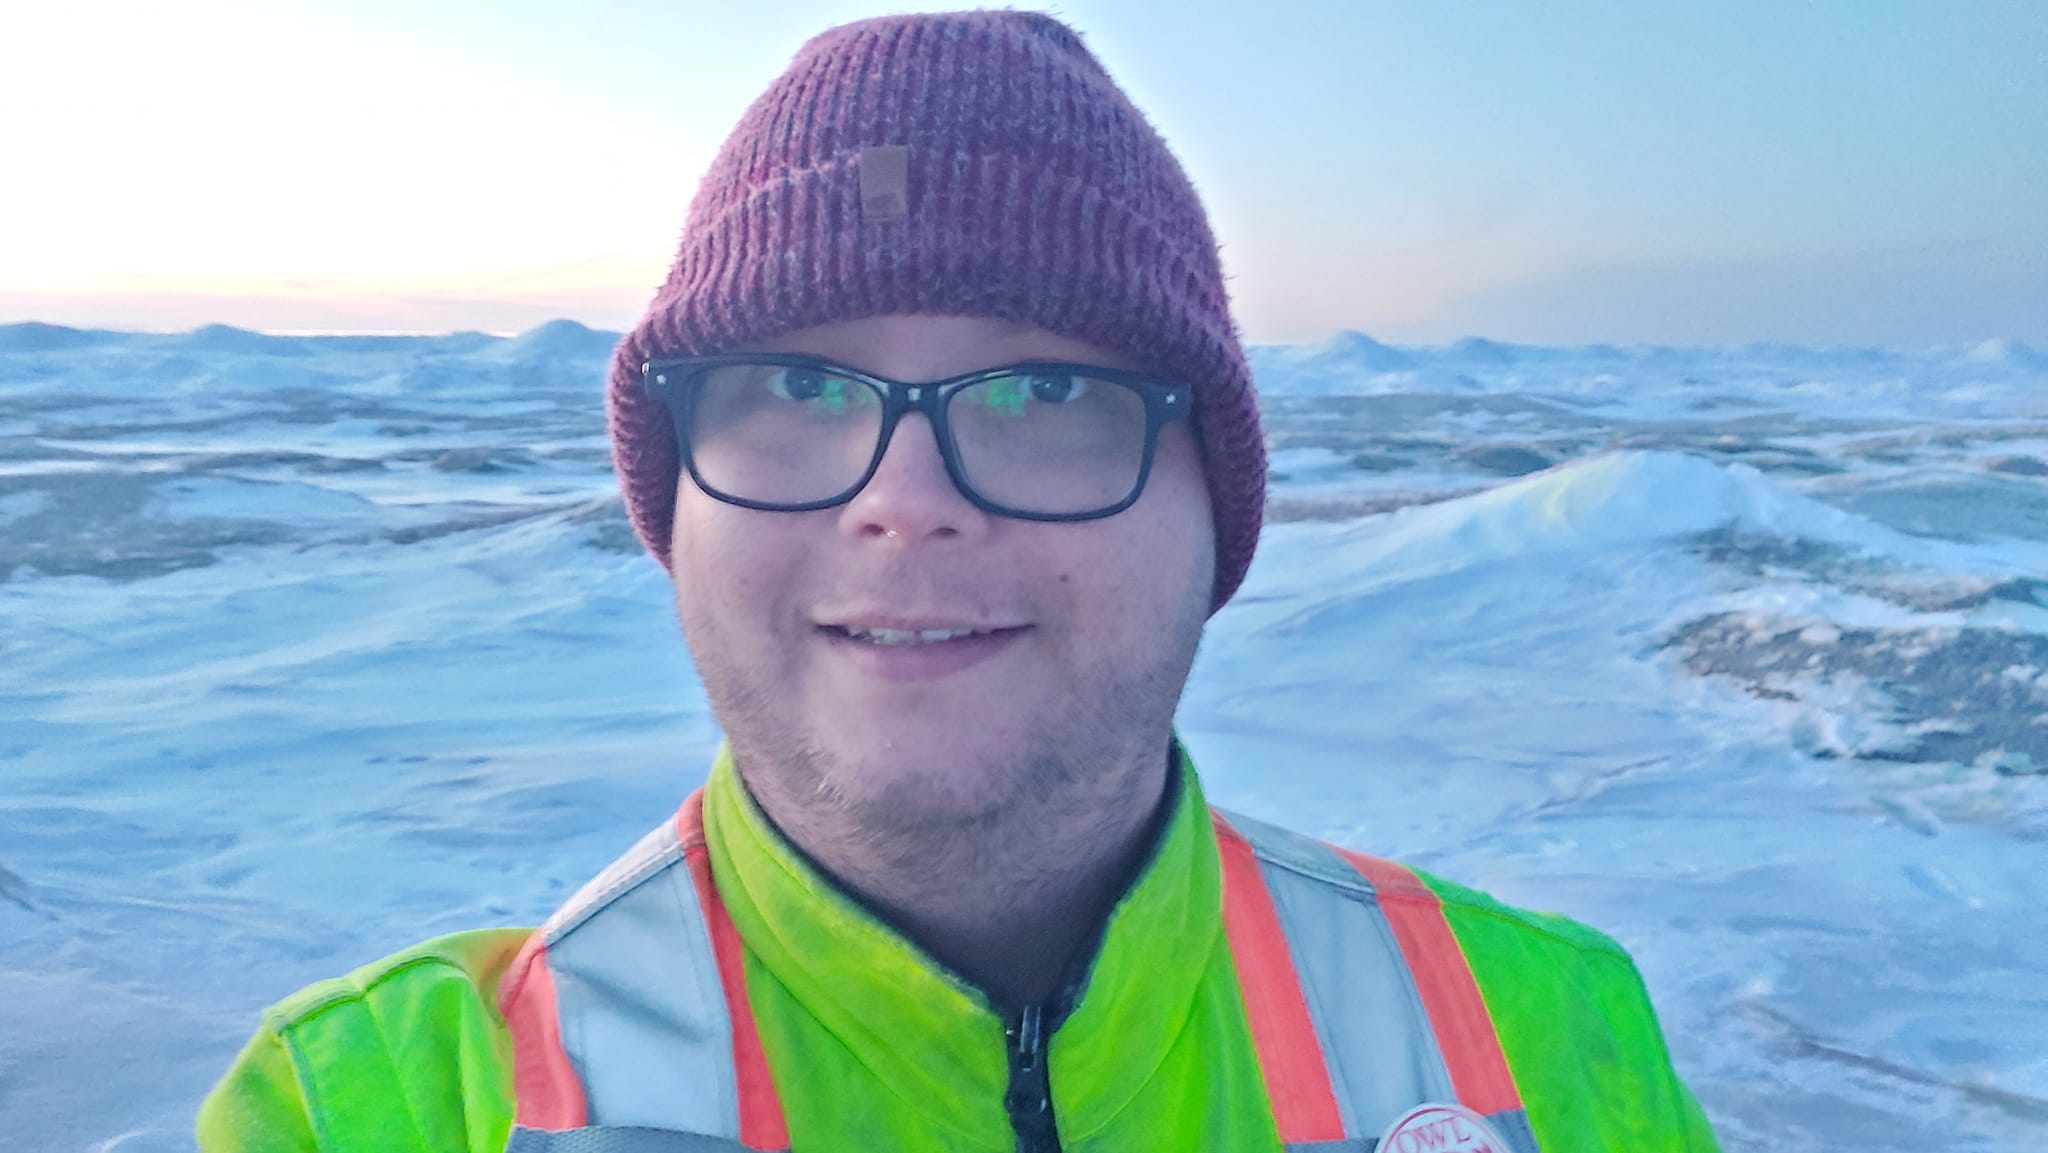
(971, 163)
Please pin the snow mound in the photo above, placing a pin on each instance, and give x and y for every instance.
(2003, 353)
(1347, 353)
(1623, 496)
(219, 339)
(559, 340)
(1482, 351)
(1351, 347)
(35, 336)
(1349, 364)
(402, 344)
(1630, 500)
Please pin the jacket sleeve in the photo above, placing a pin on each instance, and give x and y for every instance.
(1699, 1135)
(407, 1055)
(1618, 1027)
(1578, 1031)
(257, 1107)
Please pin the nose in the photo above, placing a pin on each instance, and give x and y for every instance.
(911, 495)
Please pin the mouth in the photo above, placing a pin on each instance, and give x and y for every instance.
(879, 635)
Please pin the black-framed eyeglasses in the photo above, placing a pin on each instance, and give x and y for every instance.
(1041, 440)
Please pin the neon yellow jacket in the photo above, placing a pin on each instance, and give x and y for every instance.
(1254, 990)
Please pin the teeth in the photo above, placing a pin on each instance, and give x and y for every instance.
(910, 636)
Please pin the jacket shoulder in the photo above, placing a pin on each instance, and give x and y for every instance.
(1569, 1008)
(1577, 1027)
(1461, 903)
(474, 960)
(407, 1052)
(1331, 866)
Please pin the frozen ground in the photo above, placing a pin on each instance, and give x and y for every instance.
(310, 648)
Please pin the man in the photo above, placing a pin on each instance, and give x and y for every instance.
(943, 430)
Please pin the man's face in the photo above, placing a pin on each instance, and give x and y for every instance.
(1097, 620)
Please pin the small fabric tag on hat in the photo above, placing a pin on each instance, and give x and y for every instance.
(1438, 1127)
(885, 183)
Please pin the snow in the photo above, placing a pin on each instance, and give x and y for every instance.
(311, 647)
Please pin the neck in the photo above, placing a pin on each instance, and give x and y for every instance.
(1008, 903)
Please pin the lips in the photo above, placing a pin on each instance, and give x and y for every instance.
(906, 651)
(878, 635)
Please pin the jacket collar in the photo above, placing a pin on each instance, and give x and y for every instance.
(927, 1033)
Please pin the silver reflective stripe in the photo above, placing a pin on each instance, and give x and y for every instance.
(617, 1139)
(643, 1015)
(1378, 1046)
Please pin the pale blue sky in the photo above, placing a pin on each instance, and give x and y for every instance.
(1872, 172)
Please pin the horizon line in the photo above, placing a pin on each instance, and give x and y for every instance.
(2006, 342)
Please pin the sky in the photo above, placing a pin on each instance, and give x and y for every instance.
(1873, 172)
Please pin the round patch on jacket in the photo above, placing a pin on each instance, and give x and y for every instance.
(1439, 1128)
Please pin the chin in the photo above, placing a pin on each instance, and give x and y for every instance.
(901, 781)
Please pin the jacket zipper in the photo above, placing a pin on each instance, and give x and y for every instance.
(1029, 1099)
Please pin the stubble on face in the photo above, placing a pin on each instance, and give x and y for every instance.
(1013, 762)
(1079, 760)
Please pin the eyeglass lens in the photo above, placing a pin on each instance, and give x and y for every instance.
(1034, 442)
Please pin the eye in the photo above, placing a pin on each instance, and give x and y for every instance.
(816, 390)
(800, 383)
(1011, 395)
(1057, 388)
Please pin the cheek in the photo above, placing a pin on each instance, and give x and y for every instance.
(727, 565)
(1141, 569)
(1182, 526)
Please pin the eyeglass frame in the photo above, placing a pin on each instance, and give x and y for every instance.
(1165, 404)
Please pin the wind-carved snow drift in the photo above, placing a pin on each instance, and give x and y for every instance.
(313, 647)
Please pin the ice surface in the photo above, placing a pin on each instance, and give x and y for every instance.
(312, 647)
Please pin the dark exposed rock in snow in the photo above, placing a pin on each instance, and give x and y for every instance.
(1507, 459)
(2018, 465)
(1969, 695)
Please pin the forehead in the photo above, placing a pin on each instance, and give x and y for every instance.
(928, 347)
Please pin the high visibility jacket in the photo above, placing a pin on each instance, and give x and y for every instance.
(710, 991)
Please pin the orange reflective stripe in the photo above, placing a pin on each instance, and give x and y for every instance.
(1290, 1056)
(548, 1093)
(762, 1125)
(1457, 1013)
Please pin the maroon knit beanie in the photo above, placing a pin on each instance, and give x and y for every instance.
(972, 163)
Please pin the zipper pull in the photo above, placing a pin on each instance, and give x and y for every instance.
(1030, 1036)
(1029, 1100)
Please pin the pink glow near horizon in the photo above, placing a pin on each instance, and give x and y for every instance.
(281, 165)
